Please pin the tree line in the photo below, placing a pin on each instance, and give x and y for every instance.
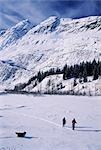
(81, 71)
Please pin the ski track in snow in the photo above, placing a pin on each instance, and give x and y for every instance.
(34, 117)
(38, 118)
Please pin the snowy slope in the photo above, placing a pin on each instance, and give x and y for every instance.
(51, 44)
(13, 34)
(55, 84)
(41, 117)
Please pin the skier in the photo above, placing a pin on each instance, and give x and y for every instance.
(73, 124)
(63, 122)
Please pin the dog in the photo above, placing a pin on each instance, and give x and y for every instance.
(20, 134)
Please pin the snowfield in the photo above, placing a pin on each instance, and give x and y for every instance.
(41, 117)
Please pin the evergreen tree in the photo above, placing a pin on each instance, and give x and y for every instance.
(85, 74)
(95, 72)
(80, 77)
(75, 83)
(99, 68)
(71, 72)
(39, 76)
(65, 72)
(76, 71)
(89, 68)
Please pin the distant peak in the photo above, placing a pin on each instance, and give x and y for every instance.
(13, 34)
(48, 25)
(50, 19)
(23, 24)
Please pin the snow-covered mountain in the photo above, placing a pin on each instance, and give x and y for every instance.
(24, 50)
(11, 35)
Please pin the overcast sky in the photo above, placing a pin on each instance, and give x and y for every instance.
(13, 11)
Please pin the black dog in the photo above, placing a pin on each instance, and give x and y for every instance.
(20, 134)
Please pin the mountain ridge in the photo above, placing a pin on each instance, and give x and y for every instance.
(51, 44)
(11, 35)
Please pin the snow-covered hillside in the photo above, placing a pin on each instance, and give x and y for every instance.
(51, 44)
(12, 35)
(55, 84)
(41, 117)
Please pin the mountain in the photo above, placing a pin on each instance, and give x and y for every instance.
(25, 49)
(10, 36)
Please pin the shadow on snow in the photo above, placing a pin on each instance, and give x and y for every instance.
(84, 129)
(10, 137)
(92, 130)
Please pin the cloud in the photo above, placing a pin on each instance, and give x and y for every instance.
(19, 10)
(13, 11)
(77, 8)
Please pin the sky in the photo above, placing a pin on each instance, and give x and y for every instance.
(14, 11)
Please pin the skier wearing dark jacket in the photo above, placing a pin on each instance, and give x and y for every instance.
(73, 124)
(63, 122)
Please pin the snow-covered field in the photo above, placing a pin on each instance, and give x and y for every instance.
(41, 117)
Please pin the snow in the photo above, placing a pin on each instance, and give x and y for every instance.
(51, 44)
(56, 84)
(13, 34)
(41, 117)
(49, 25)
